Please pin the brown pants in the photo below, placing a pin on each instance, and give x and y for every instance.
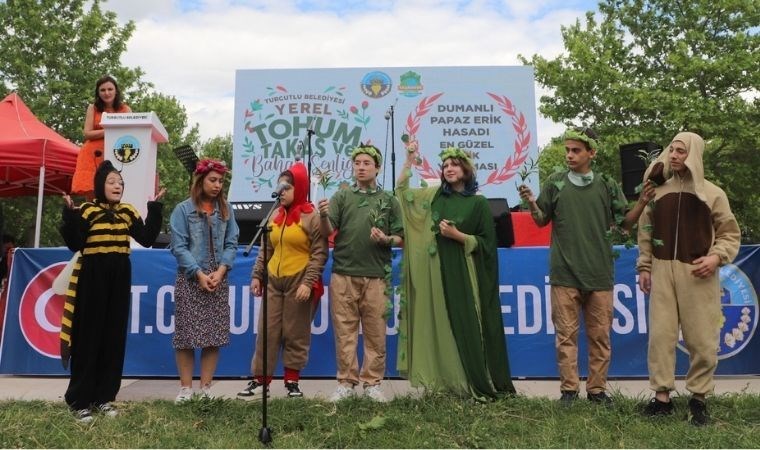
(567, 304)
(288, 327)
(679, 298)
(355, 300)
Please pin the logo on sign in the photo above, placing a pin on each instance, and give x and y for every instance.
(739, 306)
(40, 312)
(410, 85)
(376, 84)
(126, 149)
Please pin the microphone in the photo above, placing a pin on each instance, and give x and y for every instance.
(299, 150)
(279, 189)
(389, 111)
(310, 125)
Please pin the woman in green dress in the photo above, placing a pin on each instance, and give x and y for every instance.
(451, 333)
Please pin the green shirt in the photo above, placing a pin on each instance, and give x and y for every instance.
(581, 253)
(353, 212)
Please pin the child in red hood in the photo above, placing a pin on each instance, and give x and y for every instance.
(296, 252)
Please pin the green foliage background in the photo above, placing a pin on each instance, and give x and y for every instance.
(636, 71)
(645, 70)
(51, 53)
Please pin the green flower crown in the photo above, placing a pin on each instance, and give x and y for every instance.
(577, 136)
(367, 150)
(454, 152)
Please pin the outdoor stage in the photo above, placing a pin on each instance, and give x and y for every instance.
(32, 320)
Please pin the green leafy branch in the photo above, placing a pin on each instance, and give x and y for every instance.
(378, 214)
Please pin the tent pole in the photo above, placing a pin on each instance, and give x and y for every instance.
(38, 223)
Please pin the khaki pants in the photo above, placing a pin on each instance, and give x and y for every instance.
(288, 327)
(567, 304)
(679, 298)
(355, 300)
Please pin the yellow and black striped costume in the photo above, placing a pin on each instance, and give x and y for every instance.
(94, 324)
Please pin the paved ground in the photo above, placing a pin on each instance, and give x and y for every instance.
(135, 389)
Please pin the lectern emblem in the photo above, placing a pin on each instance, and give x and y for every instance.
(126, 149)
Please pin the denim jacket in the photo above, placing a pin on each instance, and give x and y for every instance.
(189, 238)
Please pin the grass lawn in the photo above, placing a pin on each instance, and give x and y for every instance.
(432, 421)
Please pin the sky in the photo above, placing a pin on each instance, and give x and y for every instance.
(191, 49)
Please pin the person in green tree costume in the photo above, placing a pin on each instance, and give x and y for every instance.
(451, 333)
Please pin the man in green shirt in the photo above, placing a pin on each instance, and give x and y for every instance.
(582, 206)
(368, 223)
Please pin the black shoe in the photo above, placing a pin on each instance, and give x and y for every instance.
(568, 397)
(253, 390)
(600, 398)
(698, 413)
(658, 408)
(293, 389)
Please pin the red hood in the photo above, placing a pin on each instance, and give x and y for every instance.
(300, 193)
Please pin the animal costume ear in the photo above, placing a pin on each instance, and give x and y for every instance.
(99, 182)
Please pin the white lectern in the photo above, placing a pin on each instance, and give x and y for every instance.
(131, 144)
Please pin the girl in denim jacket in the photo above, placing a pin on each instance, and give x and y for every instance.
(204, 238)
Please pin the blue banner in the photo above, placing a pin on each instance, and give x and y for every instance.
(33, 315)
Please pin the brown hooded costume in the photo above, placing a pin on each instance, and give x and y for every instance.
(689, 218)
(296, 252)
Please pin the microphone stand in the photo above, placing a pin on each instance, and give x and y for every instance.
(309, 133)
(263, 222)
(393, 150)
(265, 433)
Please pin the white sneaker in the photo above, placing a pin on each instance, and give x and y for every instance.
(185, 394)
(342, 392)
(206, 392)
(375, 393)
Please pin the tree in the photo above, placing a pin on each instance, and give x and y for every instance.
(649, 69)
(52, 52)
(171, 173)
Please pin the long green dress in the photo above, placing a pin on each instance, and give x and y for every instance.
(451, 333)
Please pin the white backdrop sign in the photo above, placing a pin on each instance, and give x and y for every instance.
(487, 111)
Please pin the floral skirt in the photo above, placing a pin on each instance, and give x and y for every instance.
(201, 318)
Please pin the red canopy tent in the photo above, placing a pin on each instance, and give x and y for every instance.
(34, 160)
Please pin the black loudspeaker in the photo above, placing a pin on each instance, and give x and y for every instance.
(633, 165)
(502, 219)
(162, 240)
(248, 215)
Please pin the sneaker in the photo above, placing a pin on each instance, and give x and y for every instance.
(568, 397)
(342, 392)
(658, 408)
(185, 394)
(107, 409)
(698, 413)
(84, 415)
(375, 393)
(600, 398)
(206, 392)
(253, 390)
(293, 390)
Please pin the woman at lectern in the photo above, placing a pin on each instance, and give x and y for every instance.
(107, 99)
(204, 238)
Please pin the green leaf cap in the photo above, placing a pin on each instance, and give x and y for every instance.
(367, 150)
(578, 136)
(454, 152)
